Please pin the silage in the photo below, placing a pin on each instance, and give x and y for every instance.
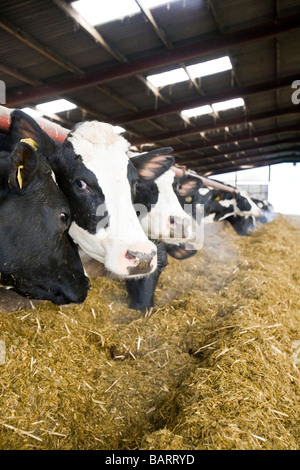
(212, 366)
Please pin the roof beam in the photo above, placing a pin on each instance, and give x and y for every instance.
(94, 33)
(218, 125)
(85, 25)
(30, 41)
(220, 156)
(254, 159)
(159, 31)
(17, 73)
(232, 140)
(230, 93)
(265, 162)
(201, 48)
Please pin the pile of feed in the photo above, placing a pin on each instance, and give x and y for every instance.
(215, 365)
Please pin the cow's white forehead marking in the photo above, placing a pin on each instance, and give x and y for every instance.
(227, 202)
(103, 152)
(204, 191)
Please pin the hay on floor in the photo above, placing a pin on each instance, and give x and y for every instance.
(215, 365)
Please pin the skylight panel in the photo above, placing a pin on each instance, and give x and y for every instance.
(168, 78)
(200, 111)
(97, 12)
(223, 105)
(32, 112)
(119, 130)
(209, 67)
(56, 106)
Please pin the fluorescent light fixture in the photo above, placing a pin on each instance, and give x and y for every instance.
(168, 78)
(223, 105)
(56, 106)
(209, 67)
(95, 12)
(197, 111)
(32, 112)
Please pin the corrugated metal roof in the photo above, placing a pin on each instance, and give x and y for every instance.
(66, 49)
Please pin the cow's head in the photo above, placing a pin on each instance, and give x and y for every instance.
(221, 204)
(243, 225)
(38, 259)
(164, 218)
(266, 208)
(114, 235)
(245, 206)
(94, 172)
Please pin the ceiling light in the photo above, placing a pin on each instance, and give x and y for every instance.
(209, 67)
(96, 13)
(223, 105)
(168, 78)
(56, 106)
(197, 111)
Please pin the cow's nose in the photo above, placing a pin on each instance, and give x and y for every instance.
(139, 262)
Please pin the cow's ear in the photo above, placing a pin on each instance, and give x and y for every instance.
(188, 185)
(24, 164)
(153, 164)
(181, 251)
(24, 126)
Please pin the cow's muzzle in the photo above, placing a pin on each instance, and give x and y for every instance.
(139, 263)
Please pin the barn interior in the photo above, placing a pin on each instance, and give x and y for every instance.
(215, 364)
(110, 72)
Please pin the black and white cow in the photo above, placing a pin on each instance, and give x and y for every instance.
(267, 210)
(93, 170)
(38, 259)
(234, 206)
(165, 222)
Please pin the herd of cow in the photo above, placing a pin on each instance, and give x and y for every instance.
(122, 209)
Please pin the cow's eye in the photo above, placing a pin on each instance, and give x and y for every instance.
(64, 217)
(81, 185)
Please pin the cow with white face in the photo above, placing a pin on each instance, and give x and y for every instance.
(164, 219)
(165, 222)
(116, 237)
(93, 170)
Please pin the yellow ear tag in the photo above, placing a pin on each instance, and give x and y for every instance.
(217, 198)
(19, 176)
(30, 142)
(188, 199)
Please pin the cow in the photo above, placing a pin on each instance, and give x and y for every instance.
(38, 259)
(234, 206)
(163, 218)
(267, 210)
(93, 170)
